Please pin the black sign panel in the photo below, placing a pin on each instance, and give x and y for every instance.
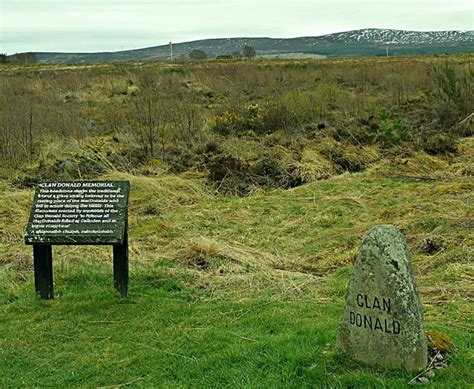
(78, 212)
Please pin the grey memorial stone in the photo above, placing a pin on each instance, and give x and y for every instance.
(382, 321)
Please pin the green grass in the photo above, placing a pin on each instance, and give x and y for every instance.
(171, 335)
(264, 310)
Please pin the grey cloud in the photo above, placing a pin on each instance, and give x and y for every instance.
(41, 25)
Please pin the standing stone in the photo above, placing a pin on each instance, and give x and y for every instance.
(382, 322)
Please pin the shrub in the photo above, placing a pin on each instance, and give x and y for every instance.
(269, 172)
(247, 121)
(181, 158)
(249, 51)
(452, 93)
(256, 119)
(278, 116)
(197, 54)
(390, 131)
(229, 174)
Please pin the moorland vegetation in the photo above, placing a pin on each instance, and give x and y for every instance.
(252, 184)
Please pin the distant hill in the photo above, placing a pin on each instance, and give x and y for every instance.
(366, 42)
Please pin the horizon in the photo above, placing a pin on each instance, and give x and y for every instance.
(80, 26)
(233, 37)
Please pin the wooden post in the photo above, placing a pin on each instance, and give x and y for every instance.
(121, 265)
(43, 265)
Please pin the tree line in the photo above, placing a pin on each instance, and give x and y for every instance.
(19, 58)
(246, 52)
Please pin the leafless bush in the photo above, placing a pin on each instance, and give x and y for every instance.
(18, 125)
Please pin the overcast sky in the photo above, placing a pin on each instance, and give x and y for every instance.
(109, 25)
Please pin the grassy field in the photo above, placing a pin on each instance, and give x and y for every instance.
(236, 280)
(232, 291)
